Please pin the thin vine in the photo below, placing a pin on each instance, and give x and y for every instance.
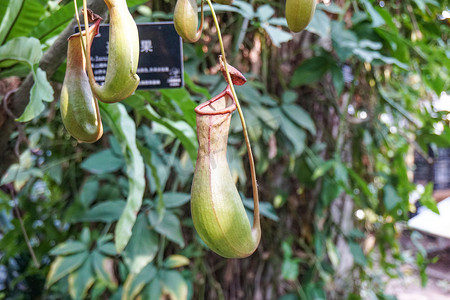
(256, 222)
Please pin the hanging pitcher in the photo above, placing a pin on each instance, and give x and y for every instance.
(79, 107)
(217, 209)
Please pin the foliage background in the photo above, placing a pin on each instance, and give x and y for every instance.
(334, 112)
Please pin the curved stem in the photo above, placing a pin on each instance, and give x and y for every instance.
(79, 25)
(86, 28)
(200, 28)
(256, 221)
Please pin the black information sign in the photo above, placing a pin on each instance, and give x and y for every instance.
(160, 56)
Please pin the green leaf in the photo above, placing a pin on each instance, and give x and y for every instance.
(196, 88)
(102, 162)
(323, 169)
(245, 9)
(29, 17)
(358, 254)
(187, 137)
(377, 20)
(338, 79)
(428, 200)
(300, 117)
(104, 269)
(294, 134)
(182, 98)
(289, 297)
(330, 191)
(107, 211)
(124, 130)
(136, 282)
(169, 226)
(290, 269)
(264, 12)
(107, 249)
(63, 265)
(332, 253)
(278, 22)
(55, 21)
(277, 35)
(391, 198)
(369, 56)
(174, 284)
(344, 40)
(89, 191)
(320, 24)
(153, 290)
(28, 50)
(12, 11)
(142, 247)
(23, 49)
(69, 247)
(266, 208)
(176, 261)
(289, 96)
(41, 91)
(310, 71)
(81, 280)
(173, 199)
(132, 3)
(422, 4)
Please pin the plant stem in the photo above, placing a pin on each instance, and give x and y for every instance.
(256, 221)
(79, 25)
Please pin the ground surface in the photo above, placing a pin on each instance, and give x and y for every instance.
(438, 287)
